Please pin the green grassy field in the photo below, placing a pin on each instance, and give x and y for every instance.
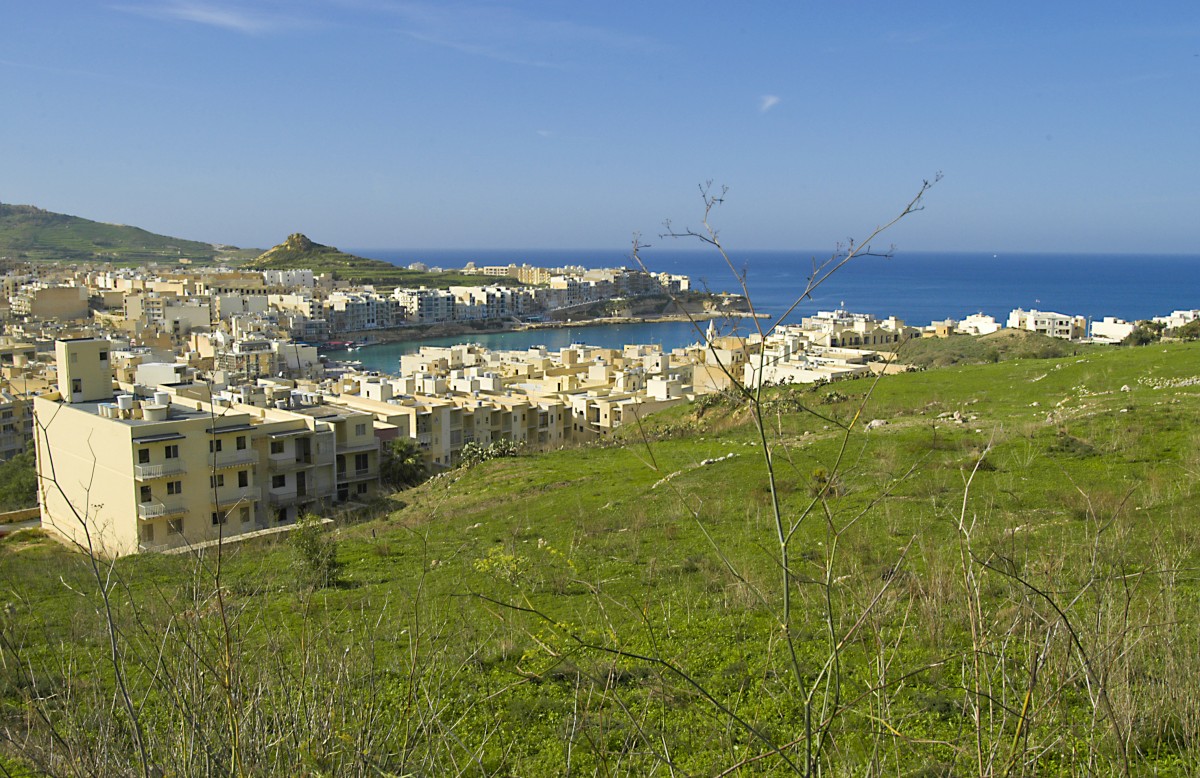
(1011, 590)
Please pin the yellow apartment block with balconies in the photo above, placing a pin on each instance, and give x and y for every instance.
(123, 474)
(441, 426)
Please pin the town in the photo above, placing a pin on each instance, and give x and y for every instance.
(170, 409)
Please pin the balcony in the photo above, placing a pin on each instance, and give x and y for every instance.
(372, 445)
(230, 459)
(156, 510)
(356, 474)
(287, 499)
(147, 472)
(234, 496)
(283, 464)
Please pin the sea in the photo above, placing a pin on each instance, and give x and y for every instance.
(918, 287)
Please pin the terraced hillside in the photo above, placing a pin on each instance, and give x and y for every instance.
(300, 252)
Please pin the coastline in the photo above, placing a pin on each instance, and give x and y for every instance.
(413, 332)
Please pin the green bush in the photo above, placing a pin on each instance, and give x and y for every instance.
(476, 453)
(18, 482)
(316, 564)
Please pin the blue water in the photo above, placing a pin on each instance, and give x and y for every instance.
(918, 287)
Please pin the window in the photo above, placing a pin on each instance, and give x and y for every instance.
(174, 526)
(360, 488)
(103, 356)
(174, 487)
(243, 478)
(76, 384)
(216, 480)
(146, 533)
(245, 514)
(143, 456)
(278, 481)
(241, 442)
(144, 494)
(360, 462)
(276, 446)
(218, 517)
(360, 429)
(214, 446)
(173, 451)
(282, 516)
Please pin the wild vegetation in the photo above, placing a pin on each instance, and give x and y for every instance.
(978, 350)
(988, 569)
(31, 234)
(18, 482)
(999, 580)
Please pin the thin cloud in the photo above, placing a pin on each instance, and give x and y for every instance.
(767, 102)
(209, 14)
(479, 50)
(503, 34)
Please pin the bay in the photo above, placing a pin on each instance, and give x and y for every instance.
(918, 287)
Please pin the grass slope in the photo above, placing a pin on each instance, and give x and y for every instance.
(29, 233)
(999, 346)
(1012, 590)
(300, 252)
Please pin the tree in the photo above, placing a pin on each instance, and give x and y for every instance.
(402, 464)
(18, 482)
(1189, 331)
(1144, 333)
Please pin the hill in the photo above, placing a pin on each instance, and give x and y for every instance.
(301, 253)
(28, 233)
(999, 346)
(999, 577)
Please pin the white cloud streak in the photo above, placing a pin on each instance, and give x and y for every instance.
(767, 102)
(209, 14)
(501, 33)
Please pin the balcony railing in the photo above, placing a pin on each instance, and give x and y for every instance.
(243, 494)
(155, 510)
(349, 448)
(146, 472)
(282, 464)
(290, 498)
(236, 458)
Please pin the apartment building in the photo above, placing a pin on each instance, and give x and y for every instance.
(844, 329)
(1056, 325)
(16, 424)
(142, 471)
(41, 301)
(442, 422)
(424, 306)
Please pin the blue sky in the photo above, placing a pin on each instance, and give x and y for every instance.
(386, 123)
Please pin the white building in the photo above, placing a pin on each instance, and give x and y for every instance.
(1111, 330)
(979, 324)
(1056, 325)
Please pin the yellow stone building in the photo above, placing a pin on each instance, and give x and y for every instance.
(121, 473)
